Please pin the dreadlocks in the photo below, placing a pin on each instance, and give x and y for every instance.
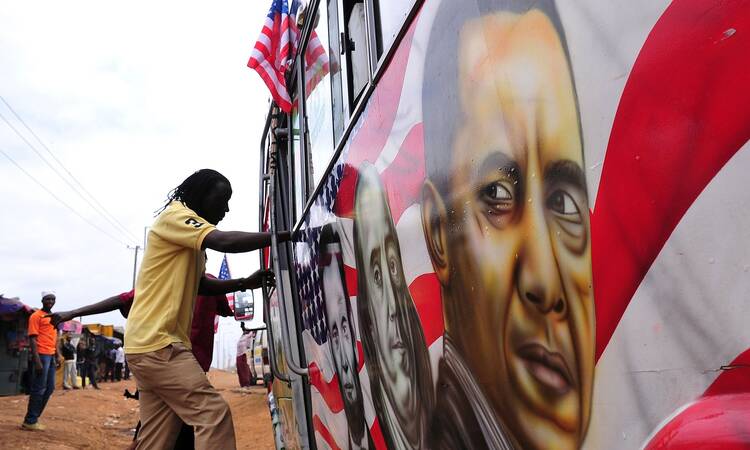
(192, 190)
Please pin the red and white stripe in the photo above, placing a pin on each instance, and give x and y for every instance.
(273, 54)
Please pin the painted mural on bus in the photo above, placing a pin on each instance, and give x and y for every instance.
(514, 246)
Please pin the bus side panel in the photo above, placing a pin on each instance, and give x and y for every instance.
(530, 237)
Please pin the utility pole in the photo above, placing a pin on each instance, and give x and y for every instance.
(135, 260)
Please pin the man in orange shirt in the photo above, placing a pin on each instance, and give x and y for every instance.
(43, 339)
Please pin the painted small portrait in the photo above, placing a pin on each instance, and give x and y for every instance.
(342, 334)
(395, 351)
(506, 222)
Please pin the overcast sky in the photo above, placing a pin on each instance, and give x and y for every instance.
(132, 98)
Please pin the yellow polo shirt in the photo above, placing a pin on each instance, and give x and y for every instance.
(167, 284)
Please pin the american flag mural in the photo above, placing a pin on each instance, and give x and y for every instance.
(670, 341)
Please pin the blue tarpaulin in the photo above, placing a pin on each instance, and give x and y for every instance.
(12, 305)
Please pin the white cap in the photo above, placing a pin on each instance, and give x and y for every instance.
(48, 293)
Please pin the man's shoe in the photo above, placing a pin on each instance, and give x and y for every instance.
(33, 426)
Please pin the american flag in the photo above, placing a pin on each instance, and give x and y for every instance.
(274, 53)
(224, 273)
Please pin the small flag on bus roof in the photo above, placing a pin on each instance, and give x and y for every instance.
(274, 53)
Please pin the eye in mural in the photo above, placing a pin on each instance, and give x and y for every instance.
(342, 336)
(505, 217)
(394, 345)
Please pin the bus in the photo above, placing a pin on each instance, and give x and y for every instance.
(516, 224)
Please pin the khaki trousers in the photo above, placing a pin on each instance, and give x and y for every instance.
(174, 389)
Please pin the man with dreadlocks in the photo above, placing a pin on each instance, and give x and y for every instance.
(173, 386)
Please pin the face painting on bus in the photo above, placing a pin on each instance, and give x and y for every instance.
(506, 224)
(342, 335)
(456, 306)
(392, 339)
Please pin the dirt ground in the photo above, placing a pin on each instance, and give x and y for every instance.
(91, 419)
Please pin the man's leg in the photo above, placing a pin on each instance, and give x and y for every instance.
(82, 374)
(66, 376)
(159, 425)
(69, 374)
(243, 370)
(50, 383)
(118, 371)
(186, 438)
(176, 377)
(74, 372)
(91, 369)
(38, 386)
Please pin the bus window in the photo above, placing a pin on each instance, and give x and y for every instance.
(335, 67)
(298, 190)
(356, 48)
(390, 16)
(319, 102)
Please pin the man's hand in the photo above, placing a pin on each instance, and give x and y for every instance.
(59, 317)
(38, 364)
(256, 280)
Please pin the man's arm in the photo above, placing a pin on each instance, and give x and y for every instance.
(239, 241)
(106, 305)
(58, 352)
(222, 307)
(212, 286)
(35, 353)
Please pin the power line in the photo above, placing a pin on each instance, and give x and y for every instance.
(59, 199)
(100, 210)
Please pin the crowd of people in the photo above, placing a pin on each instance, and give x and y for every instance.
(169, 333)
(89, 360)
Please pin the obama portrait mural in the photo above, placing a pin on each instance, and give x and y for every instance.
(505, 218)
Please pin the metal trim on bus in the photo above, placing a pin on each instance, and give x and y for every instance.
(286, 345)
(263, 180)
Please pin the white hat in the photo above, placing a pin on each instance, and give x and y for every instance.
(48, 293)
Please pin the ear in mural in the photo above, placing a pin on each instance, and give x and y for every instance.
(505, 217)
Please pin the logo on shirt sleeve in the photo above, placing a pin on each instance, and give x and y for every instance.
(194, 223)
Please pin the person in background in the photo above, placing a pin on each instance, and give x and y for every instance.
(109, 358)
(81, 360)
(43, 341)
(244, 343)
(119, 361)
(92, 360)
(69, 368)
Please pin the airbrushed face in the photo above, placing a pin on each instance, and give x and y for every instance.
(342, 338)
(387, 293)
(518, 292)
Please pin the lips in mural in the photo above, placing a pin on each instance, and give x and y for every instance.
(683, 114)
